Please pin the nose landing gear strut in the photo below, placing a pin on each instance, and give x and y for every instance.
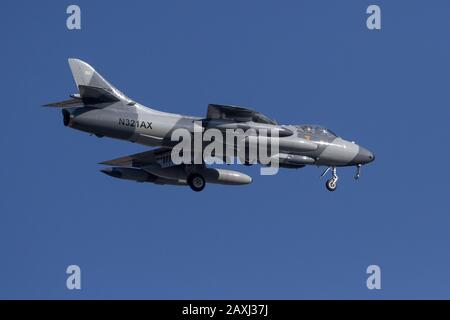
(331, 183)
(358, 172)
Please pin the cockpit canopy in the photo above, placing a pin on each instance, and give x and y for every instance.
(258, 117)
(315, 130)
(238, 114)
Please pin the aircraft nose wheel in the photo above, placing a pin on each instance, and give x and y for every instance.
(196, 182)
(331, 184)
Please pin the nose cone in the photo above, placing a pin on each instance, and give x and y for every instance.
(364, 156)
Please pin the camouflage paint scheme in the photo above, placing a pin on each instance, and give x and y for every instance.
(101, 109)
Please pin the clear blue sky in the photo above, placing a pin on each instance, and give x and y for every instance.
(281, 237)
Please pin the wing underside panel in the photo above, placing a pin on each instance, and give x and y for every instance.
(139, 159)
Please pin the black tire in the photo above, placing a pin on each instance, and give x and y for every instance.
(196, 182)
(331, 185)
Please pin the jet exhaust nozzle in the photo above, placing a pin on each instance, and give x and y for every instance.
(66, 117)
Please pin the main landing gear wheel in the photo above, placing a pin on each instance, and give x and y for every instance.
(331, 184)
(196, 182)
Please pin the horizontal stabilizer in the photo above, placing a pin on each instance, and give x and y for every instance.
(66, 104)
(93, 95)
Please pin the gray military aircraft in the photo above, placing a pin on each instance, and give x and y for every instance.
(101, 109)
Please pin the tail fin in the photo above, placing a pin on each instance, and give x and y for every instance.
(85, 75)
(90, 82)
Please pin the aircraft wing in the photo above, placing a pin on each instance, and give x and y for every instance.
(155, 157)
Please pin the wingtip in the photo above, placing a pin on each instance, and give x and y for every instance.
(47, 105)
(107, 163)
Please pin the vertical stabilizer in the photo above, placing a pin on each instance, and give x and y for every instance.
(87, 79)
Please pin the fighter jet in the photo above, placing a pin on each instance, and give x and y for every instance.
(102, 110)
